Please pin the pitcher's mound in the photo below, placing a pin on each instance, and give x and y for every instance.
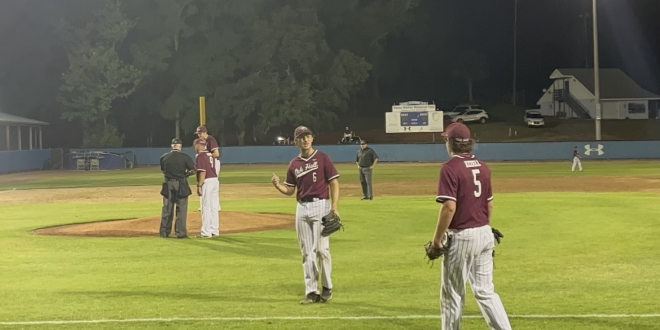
(230, 222)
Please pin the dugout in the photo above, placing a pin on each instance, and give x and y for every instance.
(99, 160)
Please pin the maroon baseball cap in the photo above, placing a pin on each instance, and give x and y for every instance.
(457, 131)
(301, 130)
(201, 129)
(199, 141)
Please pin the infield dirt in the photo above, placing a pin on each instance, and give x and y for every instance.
(233, 222)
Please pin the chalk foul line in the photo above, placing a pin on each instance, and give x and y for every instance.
(302, 318)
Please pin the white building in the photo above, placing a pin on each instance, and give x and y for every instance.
(20, 133)
(571, 93)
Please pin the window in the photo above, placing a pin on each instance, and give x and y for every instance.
(636, 108)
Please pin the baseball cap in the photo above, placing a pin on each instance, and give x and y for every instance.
(201, 129)
(457, 131)
(199, 141)
(177, 141)
(301, 130)
(363, 141)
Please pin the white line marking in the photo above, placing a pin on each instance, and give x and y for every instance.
(305, 318)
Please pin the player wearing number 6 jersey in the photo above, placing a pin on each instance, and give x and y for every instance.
(313, 178)
(464, 189)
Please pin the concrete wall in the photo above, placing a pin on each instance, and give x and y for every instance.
(23, 160)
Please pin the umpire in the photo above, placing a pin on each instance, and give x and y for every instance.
(366, 160)
(176, 167)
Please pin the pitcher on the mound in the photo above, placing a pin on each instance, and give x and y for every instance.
(464, 189)
(207, 189)
(313, 177)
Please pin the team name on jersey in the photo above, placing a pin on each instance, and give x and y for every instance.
(472, 163)
(309, 167)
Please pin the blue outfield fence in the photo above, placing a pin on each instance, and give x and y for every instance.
(24, 160)
(531, 151)
(27, 160)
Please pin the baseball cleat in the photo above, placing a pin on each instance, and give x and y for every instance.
(203, 236)
(311, 298)
(326, 294)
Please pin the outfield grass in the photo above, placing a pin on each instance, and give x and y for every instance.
(563, 254)
(232, 173)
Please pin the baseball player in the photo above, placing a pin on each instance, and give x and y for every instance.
(464, 189)
(576, 160)
(212, 147)
(309, 175)
(207, 189)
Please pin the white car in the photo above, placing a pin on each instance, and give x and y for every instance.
(459, 109)
(479, 115)
(534, 118)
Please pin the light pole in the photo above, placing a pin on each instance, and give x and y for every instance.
(596, 70)
(515, 51)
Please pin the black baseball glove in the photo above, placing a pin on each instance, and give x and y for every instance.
(434, 252)
(331, 223)
(497, 234)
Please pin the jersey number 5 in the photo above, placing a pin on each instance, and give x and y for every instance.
(477, 183)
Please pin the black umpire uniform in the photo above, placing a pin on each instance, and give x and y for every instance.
(176, 167)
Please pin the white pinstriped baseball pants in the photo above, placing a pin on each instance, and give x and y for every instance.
(470, 258)
(210, 205)
(313, 245)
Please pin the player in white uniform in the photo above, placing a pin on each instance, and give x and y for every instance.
(464, 189)
(576, 160)
(213, 149)
(207, 188)
(314, 176)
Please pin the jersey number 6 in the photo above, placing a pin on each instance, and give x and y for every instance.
(314, 176)
(477, 183)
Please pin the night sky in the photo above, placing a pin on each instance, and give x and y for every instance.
(551, 34)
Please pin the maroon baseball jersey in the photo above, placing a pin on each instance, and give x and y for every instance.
(466, 180)
(211, 144)
(204, 163)
(575, 153)
(311, 175)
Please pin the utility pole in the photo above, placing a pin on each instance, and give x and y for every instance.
(585, 17)
(515, 52)
(596, 70)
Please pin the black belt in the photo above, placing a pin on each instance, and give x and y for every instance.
(173, 179)
(310, 199)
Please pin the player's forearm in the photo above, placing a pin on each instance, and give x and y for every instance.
(334, 193)
(200, 178)
(284, 189)
(444, 219)
(216, 153)
(375, 162)
(490, 209)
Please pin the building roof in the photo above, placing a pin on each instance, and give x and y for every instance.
(6, 118)
(614, 83)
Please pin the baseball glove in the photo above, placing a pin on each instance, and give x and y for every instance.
(497, 235)
(331, 223)
(433, 252)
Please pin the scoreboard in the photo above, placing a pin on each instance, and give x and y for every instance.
(415, 118)
(412, 117)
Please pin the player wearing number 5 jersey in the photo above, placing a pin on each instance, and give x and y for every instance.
(464, 189)
(313, 177)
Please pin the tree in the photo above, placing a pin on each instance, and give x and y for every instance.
(97, 75)
(471, 67)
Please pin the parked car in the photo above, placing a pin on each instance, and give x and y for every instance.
(461, 108)
(534, 118)
(467, 116)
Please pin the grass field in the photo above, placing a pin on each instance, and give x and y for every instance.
(579, 258)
